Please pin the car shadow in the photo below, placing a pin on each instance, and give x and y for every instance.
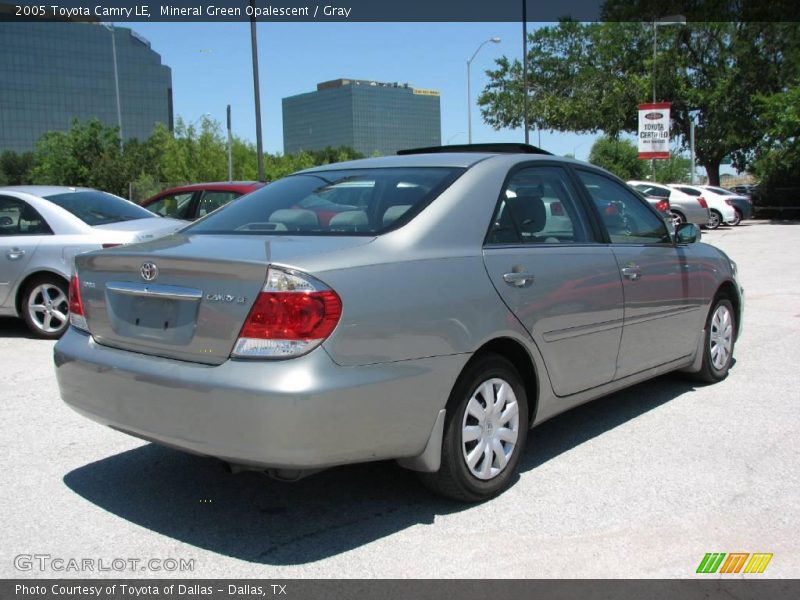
(11, 327)
(250, 517)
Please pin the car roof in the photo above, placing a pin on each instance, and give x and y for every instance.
(462, 160)
(215, 185)
(45, 190)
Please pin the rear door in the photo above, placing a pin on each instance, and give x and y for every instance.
(661, 282)
(21, 231)
(561, 283)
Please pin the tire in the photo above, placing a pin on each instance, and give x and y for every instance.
(720, 339)
(45, 306)
(714, 219)
(492, 471)
(737, 218)
(677, 218)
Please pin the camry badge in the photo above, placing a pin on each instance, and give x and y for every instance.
(149, 271)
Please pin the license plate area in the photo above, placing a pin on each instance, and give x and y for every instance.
(169, 321)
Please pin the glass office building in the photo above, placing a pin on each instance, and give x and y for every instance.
(53, 72)
(369, 116)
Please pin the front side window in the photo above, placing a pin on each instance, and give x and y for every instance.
(537, 207)
(346, 202)
(172, 205)
(99, 208)
(17, 217)
(627, 217)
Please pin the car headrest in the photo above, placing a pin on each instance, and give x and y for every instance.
(528, 212)
(350, 220)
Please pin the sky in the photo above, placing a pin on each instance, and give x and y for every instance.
(211, 67)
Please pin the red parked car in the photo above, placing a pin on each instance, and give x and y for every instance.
(191, 202)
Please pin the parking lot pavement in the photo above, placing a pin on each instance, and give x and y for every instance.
(639, 484)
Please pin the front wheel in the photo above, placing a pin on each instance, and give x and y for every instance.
(45, 307)
(719, 342)
(485, 432)
(714, 219)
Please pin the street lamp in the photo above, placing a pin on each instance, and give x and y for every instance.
(494, 40)
(454, 136)
(672, 20)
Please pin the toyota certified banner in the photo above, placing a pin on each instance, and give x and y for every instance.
(654, 130)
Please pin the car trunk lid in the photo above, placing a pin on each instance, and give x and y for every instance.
(186, 297)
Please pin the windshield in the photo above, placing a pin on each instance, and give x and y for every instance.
(99, 208)
(346, 202)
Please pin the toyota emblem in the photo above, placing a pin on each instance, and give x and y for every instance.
(149, 271)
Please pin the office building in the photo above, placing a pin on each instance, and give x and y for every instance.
(368, 116)
(52, 72)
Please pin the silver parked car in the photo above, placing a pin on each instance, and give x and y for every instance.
(42, 228)
(683, 207)
(435, 321)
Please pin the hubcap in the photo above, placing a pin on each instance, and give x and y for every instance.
(676, 219)
(490, 428)
(721, 341)
(48, 308)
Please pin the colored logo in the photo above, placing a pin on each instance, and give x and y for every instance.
(719, 562)
(654, 116)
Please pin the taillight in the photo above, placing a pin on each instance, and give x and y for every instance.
(729, 202)
(611, 209)
(293, 314)
(662, 206)
(111, 245)
(557, 209)
(702, 202)
(76, 317)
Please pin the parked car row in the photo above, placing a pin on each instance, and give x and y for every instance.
(704, 205)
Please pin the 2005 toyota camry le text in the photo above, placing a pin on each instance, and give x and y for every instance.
(429, 307)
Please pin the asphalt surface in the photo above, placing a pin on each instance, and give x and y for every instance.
(638, 484)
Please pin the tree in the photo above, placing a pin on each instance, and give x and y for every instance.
(590, 77)
(15, 169)
(620, 157)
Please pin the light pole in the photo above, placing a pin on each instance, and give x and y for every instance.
(257, 93)
(110, 27)
(672, 20)
(525, 73)
(454, 136)
(494, 40)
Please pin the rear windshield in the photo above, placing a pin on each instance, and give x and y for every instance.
(347, 202)
(719, 190)
(99, 208)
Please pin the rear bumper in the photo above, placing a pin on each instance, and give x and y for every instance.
(302, 413)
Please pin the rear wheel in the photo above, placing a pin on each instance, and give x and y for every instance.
(737, 217)
(714, 219)
(719, 343)
(485, 432)
(45, 306)
(677, 218)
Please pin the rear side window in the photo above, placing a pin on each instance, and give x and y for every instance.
(99, 208)
(690, 191)
(347, 202)
(650, 190)
(537, 206)
(172, 205)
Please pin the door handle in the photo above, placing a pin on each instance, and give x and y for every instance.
(518, 279)
(632, 272)
(15, 254)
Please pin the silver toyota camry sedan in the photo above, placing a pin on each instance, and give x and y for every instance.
(42, 228)
(430, 307)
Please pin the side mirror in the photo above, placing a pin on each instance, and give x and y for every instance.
(687, 233)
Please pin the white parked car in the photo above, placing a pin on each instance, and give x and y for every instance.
(42, 228)
(719, 211)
